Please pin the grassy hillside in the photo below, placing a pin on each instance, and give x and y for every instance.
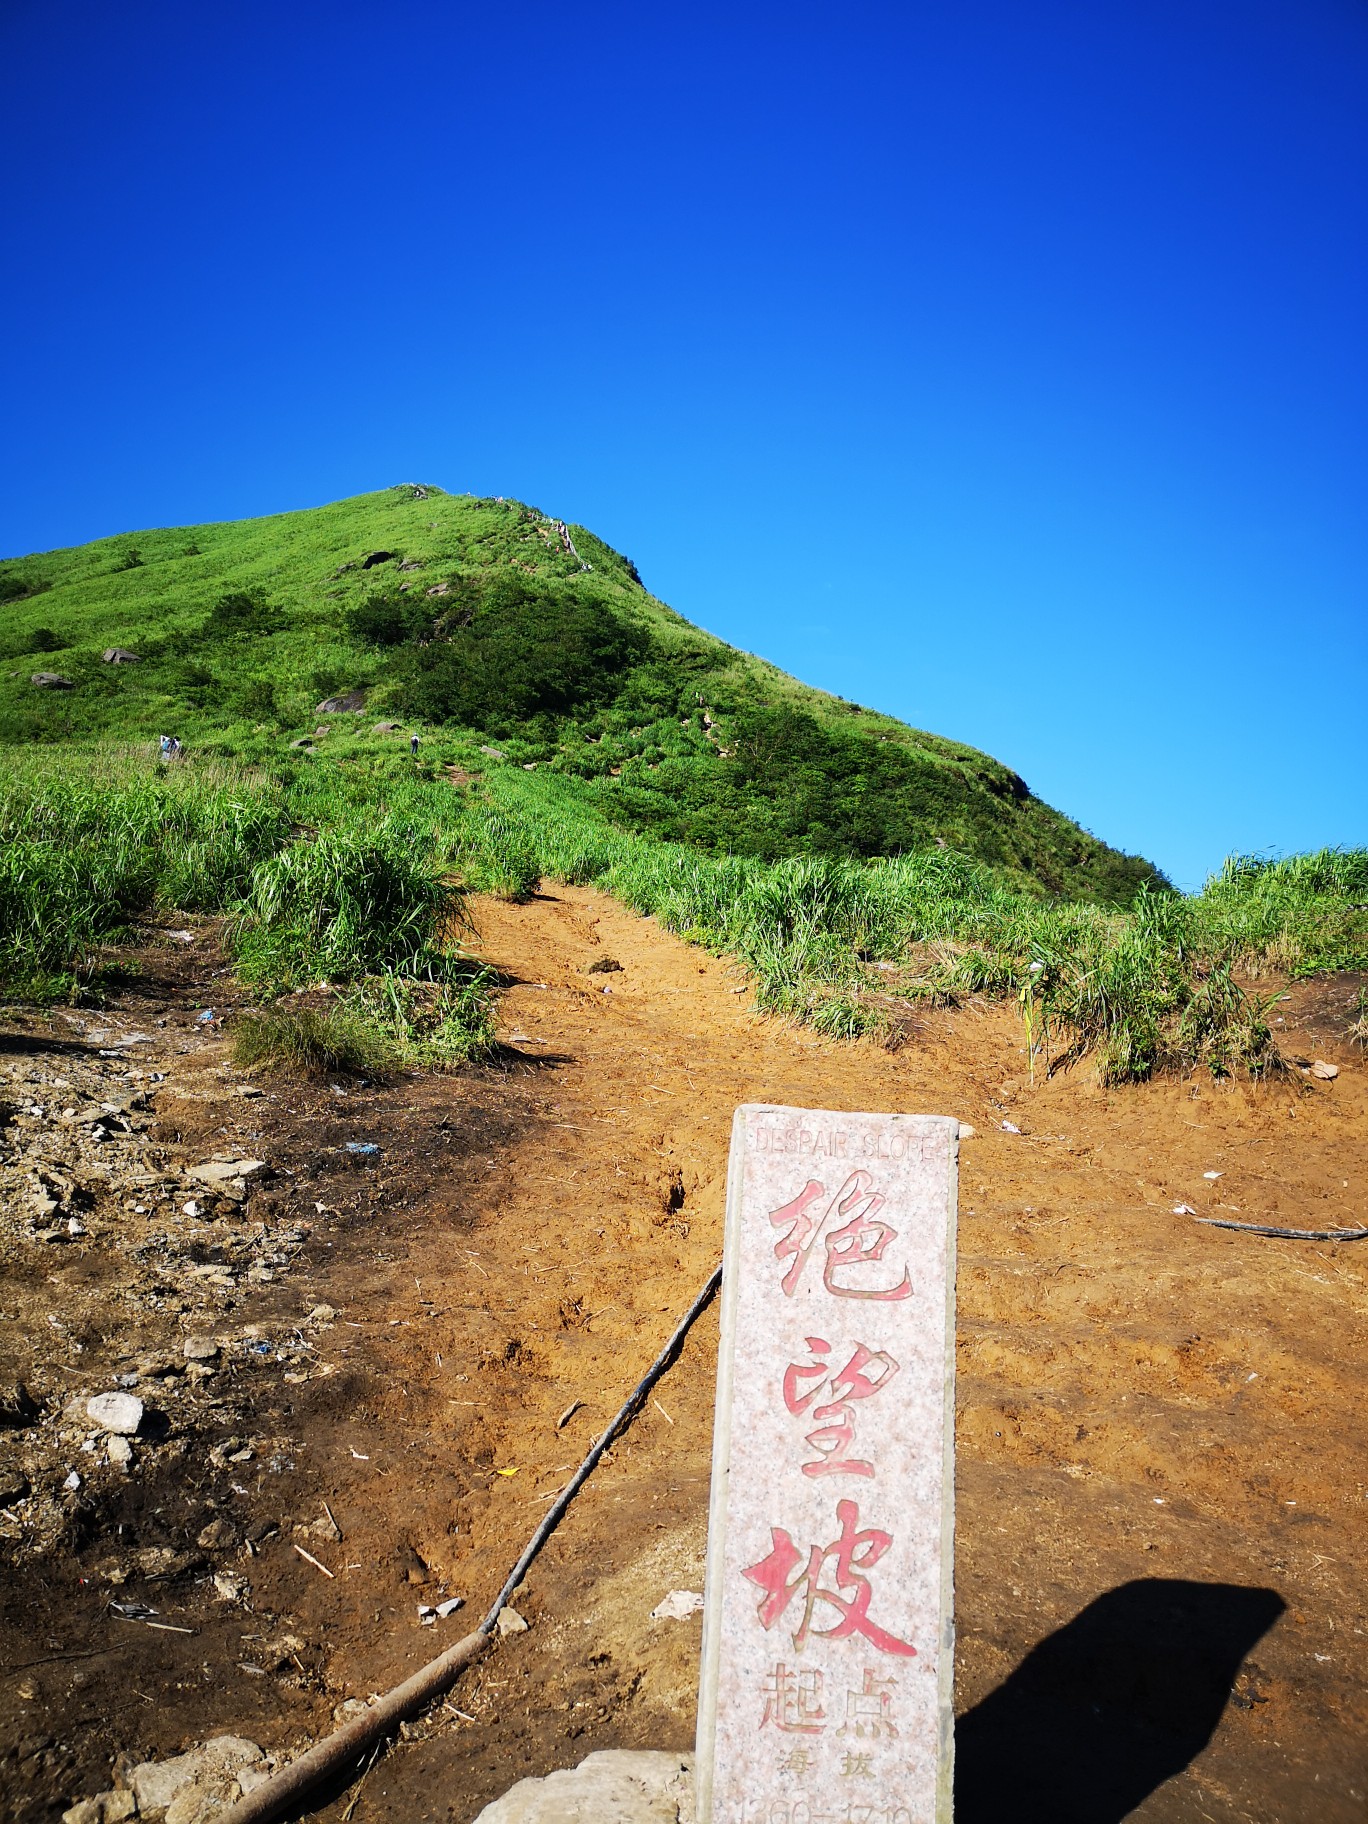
(490, 625)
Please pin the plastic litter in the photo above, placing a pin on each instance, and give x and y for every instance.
(1010, 1127)
(205, 1018)
(366, 1149)
(678, 1606)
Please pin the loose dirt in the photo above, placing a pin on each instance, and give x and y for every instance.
(1162, 1593)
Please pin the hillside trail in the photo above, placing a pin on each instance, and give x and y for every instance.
(1160, 1430)
(1162, 1588)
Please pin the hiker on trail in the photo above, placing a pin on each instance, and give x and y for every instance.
(174, 752)
(165, 744)
(413, 746)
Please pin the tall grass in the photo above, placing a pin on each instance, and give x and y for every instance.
(349, 875)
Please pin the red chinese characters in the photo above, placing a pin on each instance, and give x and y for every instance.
(848, 1592)
(866, 1373)
(856, 1240)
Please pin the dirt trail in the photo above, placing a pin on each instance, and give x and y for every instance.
(1162, 1593)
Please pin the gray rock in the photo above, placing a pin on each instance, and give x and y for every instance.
(120, 655)
(613, 1786)
(200, 1349)
(510, 1622)
(155, 1784)
(351, 702)
(229, 1175)
(120, 1413)
(121, 1453)
(51, 680)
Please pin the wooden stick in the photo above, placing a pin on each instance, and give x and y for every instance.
(315, 1563)
(1260, 1228)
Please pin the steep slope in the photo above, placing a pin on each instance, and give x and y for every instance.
(493, 623)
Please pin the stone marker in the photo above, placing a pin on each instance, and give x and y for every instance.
(828, 1639)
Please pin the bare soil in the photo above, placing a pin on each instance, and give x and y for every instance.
(1162, 1590)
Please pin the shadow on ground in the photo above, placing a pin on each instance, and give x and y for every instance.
(1110, 1706)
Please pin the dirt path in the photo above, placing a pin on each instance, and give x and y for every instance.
(1163, 1601)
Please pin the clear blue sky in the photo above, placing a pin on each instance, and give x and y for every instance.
(1003, 366)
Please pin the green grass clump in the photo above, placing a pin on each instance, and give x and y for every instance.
(343, 905)
(307, 1042)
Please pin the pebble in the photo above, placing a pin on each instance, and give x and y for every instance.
(121, 1453)
(510, 1622)
(200, 1349)
(121, 1413)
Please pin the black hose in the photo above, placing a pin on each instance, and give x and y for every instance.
(668, 1355)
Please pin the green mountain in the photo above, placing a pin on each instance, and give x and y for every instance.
(495, 627)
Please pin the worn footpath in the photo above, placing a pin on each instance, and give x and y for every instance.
(356, 1318)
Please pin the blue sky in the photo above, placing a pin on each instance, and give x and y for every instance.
(1001, 366)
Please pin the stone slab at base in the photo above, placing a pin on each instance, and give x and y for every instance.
(613, 1786)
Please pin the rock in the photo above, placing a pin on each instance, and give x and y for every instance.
(606, 965)
(51, 680)
(967, 1132)
(1325, 1072)
(120, 1453)
(104, 1808)
(200, 1349)
(350, 703)
(321, 1314)
(120, 1413)
(678, 1606)
(218, 1536)
(613, 1786)
(120, 655)
(385, 728)
(510, 1622)
(230, 1176)
(155, 1784)
(372, 558)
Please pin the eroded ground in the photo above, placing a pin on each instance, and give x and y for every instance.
(1163, 1597)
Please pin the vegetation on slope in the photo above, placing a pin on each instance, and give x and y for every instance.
(573, 727)
(486, 620)
(349, 873)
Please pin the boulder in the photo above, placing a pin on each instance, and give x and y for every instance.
(613, 1786)
(120, 655)
(351, 702)
(51, 680)
(119, 1413)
